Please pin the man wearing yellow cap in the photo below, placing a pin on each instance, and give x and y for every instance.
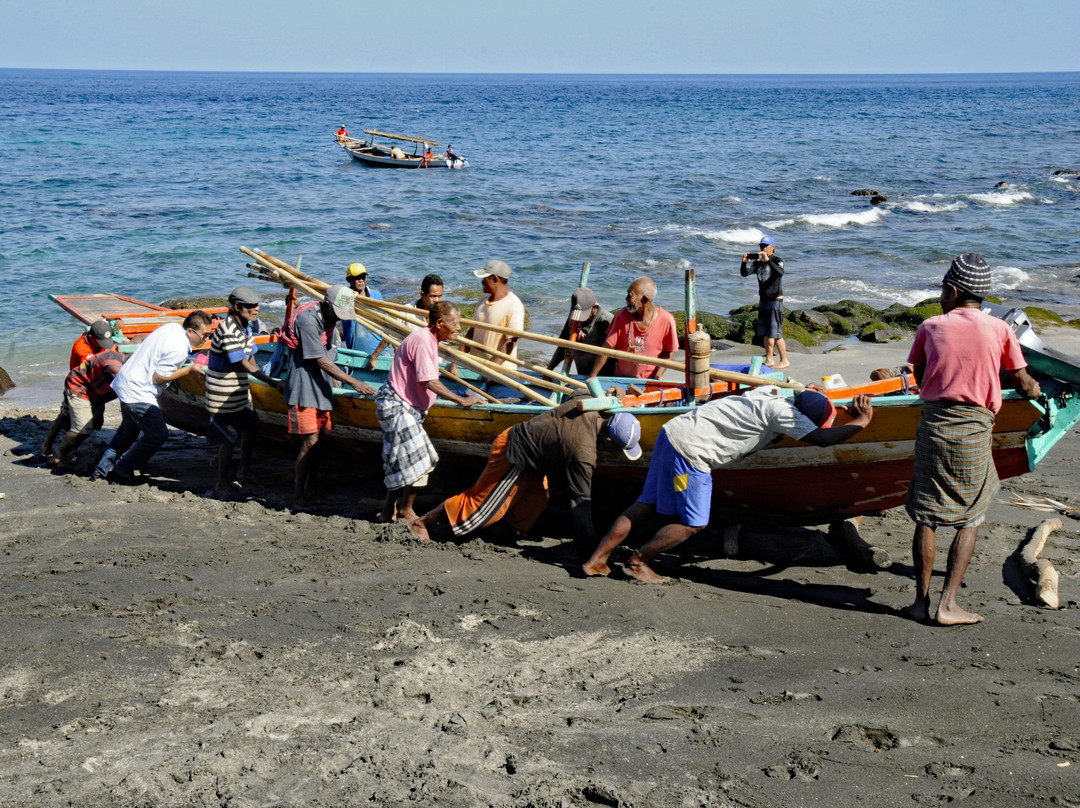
(354, 335)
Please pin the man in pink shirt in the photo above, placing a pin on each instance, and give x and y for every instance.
(401, 404)
(641, 328)
(958, 356)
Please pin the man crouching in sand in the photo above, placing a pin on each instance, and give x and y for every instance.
(716, 434)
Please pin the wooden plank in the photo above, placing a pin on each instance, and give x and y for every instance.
(377, 133)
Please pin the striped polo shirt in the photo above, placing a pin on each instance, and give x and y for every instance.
(226, 378)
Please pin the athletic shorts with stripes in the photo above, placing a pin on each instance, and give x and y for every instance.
(503, 491)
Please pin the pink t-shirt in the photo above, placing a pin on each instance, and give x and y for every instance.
(415, 362)
(624, 335)
(964, 352)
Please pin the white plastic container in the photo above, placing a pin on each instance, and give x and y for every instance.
(832, 382)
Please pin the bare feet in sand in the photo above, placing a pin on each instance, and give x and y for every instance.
(782, 365)
(592, 568)
(919, 610)
(418, 529)
(956, 616)
(637, 568)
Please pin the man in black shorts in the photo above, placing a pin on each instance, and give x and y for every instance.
(769, 269)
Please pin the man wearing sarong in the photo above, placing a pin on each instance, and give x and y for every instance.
(958, 356)
(714, 435)
(402, 402)
(557, 447)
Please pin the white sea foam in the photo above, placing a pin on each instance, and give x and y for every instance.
(739, 235)
(929, 207)
(874, 293)
(860, 218)
(1001, 197)
(1008, 277)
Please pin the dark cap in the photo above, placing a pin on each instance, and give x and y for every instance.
(969, 273)
(581, 304)
(817, 407)
(101, 333)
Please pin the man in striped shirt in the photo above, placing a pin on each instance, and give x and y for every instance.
(232, 417)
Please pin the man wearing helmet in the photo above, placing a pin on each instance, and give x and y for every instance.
(354, 335)
(231, 359)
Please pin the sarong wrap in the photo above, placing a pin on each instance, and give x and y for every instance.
(955, 479)
(407, 453)
(502, 491)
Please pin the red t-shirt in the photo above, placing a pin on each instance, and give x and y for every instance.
(82, 350)
(92, 379)
(624, 335)
(964, 352)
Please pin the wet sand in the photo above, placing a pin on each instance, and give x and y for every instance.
(162, 647)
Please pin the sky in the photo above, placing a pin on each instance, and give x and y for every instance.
(553, 36)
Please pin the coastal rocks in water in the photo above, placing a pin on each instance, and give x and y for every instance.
(811, 320)
(866, 192)
(5, 382)
(195, 302)
(880, 332)
(878, 199)
(1067, 172)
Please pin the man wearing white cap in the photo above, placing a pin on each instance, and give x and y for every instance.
(501, 307)
(588, 324)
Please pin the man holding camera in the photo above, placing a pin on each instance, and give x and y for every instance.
(769, 269)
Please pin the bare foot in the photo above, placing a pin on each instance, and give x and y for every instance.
(637, 568)
(919, 610)
(407, 513)
(385, 518)
(956, 617)
(782, 365)
(595, 568)
(419, 529)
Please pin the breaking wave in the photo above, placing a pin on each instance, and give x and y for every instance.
(860, 219)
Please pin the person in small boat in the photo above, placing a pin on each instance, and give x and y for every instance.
(231, 359)
(588, 324)
(98, 337)
(411, 388)
(354, 335)
(641, 328)
(451, 157)
(159, 360)
(87, 389)
(342, 132)
(716, 434)
(558, 448)
(309, 383)
(431, 292)
(768, 267)
(958, 357)
(501, 307)
(429, 155)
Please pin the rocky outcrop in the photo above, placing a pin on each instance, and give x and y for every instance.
(878, 199)
(866, 192)
(1067, 172)
(5, 382)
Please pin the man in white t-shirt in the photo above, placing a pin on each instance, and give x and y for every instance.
(158, 361)
(716, 434)
(501, 307)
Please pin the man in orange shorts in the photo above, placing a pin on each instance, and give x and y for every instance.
(309, 389)
(559, 446)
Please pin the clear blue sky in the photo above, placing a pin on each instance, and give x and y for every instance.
(551, 36)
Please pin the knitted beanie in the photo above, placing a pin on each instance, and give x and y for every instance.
(969, 273)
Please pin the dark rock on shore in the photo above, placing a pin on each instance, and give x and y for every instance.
(866, 192)
(5, 382)
(195, 302)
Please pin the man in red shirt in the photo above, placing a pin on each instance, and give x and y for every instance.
(99, 333)
(87, 390)
(641, 328)
(958, 356)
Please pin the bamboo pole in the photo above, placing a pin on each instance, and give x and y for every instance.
(461, 358)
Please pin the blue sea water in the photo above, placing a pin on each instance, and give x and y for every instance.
(146, 184)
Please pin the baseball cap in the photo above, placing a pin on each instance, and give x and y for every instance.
(343, 300)
(625, 432)
(500, 269)
(581, 304)
(766, 241)
(101, 331)
(817, 407)
(355, 270)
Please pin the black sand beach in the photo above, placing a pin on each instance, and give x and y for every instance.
(161, 647)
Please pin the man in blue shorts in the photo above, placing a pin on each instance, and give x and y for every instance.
(716, 434)
(768, 267)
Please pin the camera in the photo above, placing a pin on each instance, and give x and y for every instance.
(752, 256)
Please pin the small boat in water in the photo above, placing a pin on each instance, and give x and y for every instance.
(786, 482)
(372, 153)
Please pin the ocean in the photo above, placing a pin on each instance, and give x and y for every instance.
(146, 184)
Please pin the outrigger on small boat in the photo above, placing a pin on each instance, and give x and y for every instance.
(371, 153)
(867, 474)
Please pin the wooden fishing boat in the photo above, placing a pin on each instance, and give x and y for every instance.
(787, 482)
(369, 152)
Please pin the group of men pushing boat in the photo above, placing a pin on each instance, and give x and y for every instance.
(957, 358)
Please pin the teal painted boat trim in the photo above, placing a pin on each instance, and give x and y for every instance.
(1061, 412)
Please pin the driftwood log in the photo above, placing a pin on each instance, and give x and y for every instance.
(1040, 571)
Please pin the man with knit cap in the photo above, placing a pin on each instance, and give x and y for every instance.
(958, 357)
(716, 434)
